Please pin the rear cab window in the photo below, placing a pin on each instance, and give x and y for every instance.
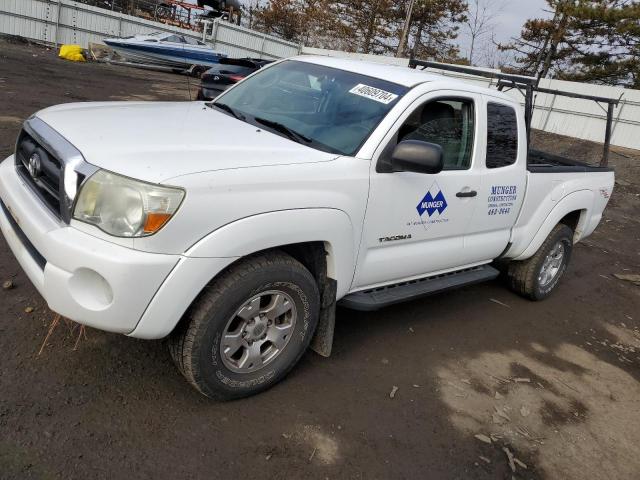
(502, 135)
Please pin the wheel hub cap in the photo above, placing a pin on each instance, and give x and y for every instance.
(258, 332)
(551, 265)
(257, 329)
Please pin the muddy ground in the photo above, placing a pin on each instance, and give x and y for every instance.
(556, 383)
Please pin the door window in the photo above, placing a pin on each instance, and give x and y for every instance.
(502, 135)
(445, 122)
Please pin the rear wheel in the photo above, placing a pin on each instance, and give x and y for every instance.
(536, 277)
(248, 328)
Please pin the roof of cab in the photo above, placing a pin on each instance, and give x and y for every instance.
(401, 75)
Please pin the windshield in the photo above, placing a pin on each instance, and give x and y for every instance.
(326, 108)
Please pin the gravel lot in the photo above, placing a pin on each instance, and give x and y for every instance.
(482, 374)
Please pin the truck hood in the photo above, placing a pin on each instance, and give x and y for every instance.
(156, 141)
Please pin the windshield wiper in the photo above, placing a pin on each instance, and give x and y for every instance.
(279, 127)
(227, 108)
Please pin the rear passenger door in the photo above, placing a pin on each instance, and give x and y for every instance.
(503, 173)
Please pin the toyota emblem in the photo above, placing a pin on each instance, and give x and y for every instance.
(35, 165)
(216, 78)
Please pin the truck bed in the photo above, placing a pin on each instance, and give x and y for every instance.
(543, 162)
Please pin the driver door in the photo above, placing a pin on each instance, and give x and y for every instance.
(415, 223)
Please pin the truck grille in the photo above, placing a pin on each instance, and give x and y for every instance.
(51, 166)
(41, 170)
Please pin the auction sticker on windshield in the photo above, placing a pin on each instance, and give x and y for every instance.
(373, 93)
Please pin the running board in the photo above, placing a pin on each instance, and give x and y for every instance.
(373, 299)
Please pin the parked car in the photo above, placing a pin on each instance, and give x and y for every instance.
(235, 228)
(229, 72)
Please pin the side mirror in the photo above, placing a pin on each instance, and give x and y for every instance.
(417, 156)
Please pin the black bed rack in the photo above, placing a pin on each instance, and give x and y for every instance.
(528, 87)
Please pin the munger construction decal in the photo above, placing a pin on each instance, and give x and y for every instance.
(431, 204)
(501, 199)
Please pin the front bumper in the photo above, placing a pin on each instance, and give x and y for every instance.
(81, 277)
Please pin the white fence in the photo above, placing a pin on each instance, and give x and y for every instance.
(556, 114)
(66, 21)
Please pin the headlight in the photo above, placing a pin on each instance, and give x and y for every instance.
(124, 207)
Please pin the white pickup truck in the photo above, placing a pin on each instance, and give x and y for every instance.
(234, 228)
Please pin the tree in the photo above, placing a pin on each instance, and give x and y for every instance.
(481, 20)
(368, 24)
(434, 26)
(312, 22)
(490, 55)
(586, 40)
(604, 43)
(281, 18)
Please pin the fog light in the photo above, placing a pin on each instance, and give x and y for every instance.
(90, 289)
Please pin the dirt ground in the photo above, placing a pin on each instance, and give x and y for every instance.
(482, 374)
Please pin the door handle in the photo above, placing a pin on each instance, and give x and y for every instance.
(471, 193)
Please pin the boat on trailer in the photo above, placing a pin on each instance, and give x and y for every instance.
(165, 49)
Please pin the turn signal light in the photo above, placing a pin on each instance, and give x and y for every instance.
(155, 221)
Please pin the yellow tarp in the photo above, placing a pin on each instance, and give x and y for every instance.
(72, 52)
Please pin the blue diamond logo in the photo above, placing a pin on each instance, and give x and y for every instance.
(431, 204)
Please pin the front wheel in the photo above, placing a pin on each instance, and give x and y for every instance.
(248, 328)
(536, 277)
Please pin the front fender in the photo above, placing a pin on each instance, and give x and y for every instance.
(539, 230)
(269, 230)
(215, 252)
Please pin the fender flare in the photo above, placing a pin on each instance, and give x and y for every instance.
(217, 251)
(260, 232)
(581, 200)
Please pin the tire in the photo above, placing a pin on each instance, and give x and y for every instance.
(227, 371)
(197, 71)
(527, 277)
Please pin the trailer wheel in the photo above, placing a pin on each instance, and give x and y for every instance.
(248, 328)
(536, 277)
(196, 71)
